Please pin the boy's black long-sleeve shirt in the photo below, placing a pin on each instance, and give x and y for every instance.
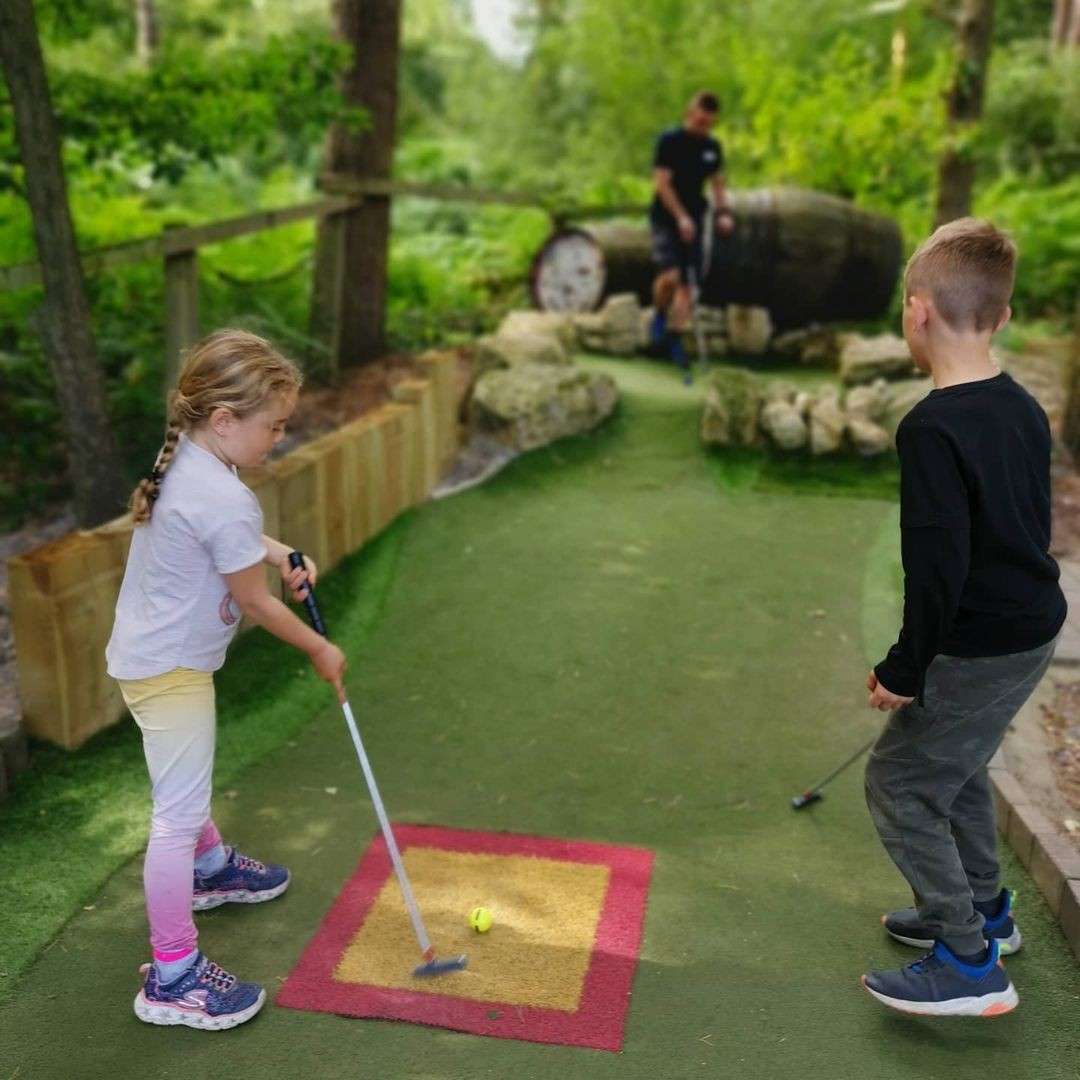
(979, 579)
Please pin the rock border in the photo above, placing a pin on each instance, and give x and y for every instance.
(1052, 861)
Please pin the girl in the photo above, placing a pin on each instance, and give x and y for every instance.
(194, 568)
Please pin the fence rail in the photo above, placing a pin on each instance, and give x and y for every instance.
(178, 246)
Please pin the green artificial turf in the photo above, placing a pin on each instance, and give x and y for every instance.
(608, 641)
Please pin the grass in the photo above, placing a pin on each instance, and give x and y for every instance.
(604, 642)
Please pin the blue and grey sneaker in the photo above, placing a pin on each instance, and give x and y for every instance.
(205, 996)
(240, 881)
(904, 926)
(940, 984)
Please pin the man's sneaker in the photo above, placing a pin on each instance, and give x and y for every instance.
(205, 996)
(904, 926)
(240, 881)
(942, 985)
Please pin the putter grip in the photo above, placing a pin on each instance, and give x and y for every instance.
(296, 561)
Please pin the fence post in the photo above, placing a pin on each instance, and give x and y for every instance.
(181, 308)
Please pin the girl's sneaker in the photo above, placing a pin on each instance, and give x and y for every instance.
(205, 996)
(240, 881)
(940, 984)
(904, 926)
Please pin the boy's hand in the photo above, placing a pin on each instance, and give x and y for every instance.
(883, 699)
(297, 580)
(725, 222)
(687, 229)
(330, 663)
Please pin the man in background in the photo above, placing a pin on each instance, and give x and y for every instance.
(685, 157)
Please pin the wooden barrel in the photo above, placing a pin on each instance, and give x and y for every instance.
(806, 256)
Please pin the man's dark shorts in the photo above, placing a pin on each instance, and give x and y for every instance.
(669, 251)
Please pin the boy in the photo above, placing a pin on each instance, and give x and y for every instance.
(982, 609)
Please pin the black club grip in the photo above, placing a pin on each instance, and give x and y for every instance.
(296, 561)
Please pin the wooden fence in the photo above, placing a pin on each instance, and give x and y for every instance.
(327, 497)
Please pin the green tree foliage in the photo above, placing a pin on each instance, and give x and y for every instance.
(839, 95)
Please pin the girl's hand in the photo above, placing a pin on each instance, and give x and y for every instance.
(330, 664)
(297, 580)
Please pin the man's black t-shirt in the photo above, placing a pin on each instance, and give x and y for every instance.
(691, 159)
(979, 579)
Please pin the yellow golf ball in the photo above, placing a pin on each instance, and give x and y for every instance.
(480, 919)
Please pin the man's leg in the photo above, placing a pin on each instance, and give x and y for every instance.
(664, 286)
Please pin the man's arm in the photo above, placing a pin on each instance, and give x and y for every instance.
(665, 190)
(720, 193)
(935, 545)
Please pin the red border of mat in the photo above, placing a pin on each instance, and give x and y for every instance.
(600, 1018)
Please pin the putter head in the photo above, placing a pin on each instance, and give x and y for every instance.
(805, 799)
(441, 967)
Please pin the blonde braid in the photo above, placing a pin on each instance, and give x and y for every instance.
(146, 493)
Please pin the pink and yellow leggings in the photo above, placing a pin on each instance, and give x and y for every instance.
(175, 712)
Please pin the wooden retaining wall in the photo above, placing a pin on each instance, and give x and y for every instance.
(327, 498)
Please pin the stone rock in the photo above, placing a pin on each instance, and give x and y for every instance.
(732, 402)
(711, 319)
(803, 400)
(532, 404)
(902, 397)
(868, 438)
(827, 422)
(864, 359)
(780, 390)
(508, 350)
(616, 328)
(868, 402)
(552, 323)
(748, 328)
(811, 344)
(784, 425)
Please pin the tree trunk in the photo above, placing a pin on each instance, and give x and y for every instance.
(93, 463)
(146, 30)
(806, 256)
(1065, 27)
(964, 100)
(349, 292)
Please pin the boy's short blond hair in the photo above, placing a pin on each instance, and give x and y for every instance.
(968, 267)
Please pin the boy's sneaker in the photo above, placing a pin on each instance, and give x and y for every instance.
(240, 881)
(205, 996)
(904, 926)
(940, 984)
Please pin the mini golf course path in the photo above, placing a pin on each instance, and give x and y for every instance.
(606, 642)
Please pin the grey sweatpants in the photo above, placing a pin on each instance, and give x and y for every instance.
(929, 792)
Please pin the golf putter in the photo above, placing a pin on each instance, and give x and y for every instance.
(696, 275)
(431, 965)
(814, 794)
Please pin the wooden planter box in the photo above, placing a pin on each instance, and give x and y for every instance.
(326, 498)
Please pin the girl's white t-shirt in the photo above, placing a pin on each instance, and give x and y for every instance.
(175, 609)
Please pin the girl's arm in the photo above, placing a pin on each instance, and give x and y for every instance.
(249, 590)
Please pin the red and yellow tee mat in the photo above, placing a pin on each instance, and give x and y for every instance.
(556, 966)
